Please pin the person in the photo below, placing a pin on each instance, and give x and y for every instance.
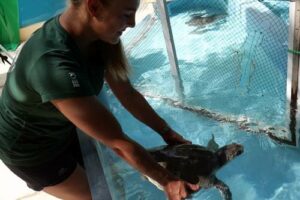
(52, 88)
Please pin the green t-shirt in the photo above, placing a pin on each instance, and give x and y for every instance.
(49, 66)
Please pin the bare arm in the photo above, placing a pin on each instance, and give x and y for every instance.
(89, 115)
(138, 106)
(95, 120)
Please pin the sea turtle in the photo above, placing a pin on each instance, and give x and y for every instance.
(197, 164)
(201, 20)
(204, 23)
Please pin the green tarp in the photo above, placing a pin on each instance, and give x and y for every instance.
(9, 24)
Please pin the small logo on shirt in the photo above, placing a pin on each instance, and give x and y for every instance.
(62, 171)
(74, 79)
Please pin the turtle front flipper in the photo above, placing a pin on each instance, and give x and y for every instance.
(223, 188)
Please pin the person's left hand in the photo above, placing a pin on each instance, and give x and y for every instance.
(172, 137)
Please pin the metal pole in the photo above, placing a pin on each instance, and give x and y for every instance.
(293, 68)
(167, 30)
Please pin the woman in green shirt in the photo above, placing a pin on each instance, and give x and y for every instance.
(52, 89)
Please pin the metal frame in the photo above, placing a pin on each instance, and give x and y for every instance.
(293, 71)
(93, 167)
(167, 30)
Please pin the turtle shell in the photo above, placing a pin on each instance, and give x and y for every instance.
(187, 161)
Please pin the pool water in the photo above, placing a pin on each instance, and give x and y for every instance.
(231, 67)
(265, 170)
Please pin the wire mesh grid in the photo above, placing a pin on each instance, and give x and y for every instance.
(232, 58)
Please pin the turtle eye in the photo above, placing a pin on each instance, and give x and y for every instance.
(239, 152)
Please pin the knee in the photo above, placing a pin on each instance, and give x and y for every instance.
(79, 196)
(86, 196)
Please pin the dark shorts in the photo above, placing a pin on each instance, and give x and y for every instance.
(53, 172)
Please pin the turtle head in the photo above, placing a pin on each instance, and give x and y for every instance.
(229, 152)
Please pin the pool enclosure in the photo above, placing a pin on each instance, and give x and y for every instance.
(222, 68)
(244, 52)
(227, 68)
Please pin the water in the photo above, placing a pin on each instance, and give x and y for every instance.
(234, 67)
(265, 170)
(229, 66)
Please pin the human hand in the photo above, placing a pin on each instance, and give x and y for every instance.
(171, 137)
(177, 189)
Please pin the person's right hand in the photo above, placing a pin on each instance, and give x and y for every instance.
(177, 189)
